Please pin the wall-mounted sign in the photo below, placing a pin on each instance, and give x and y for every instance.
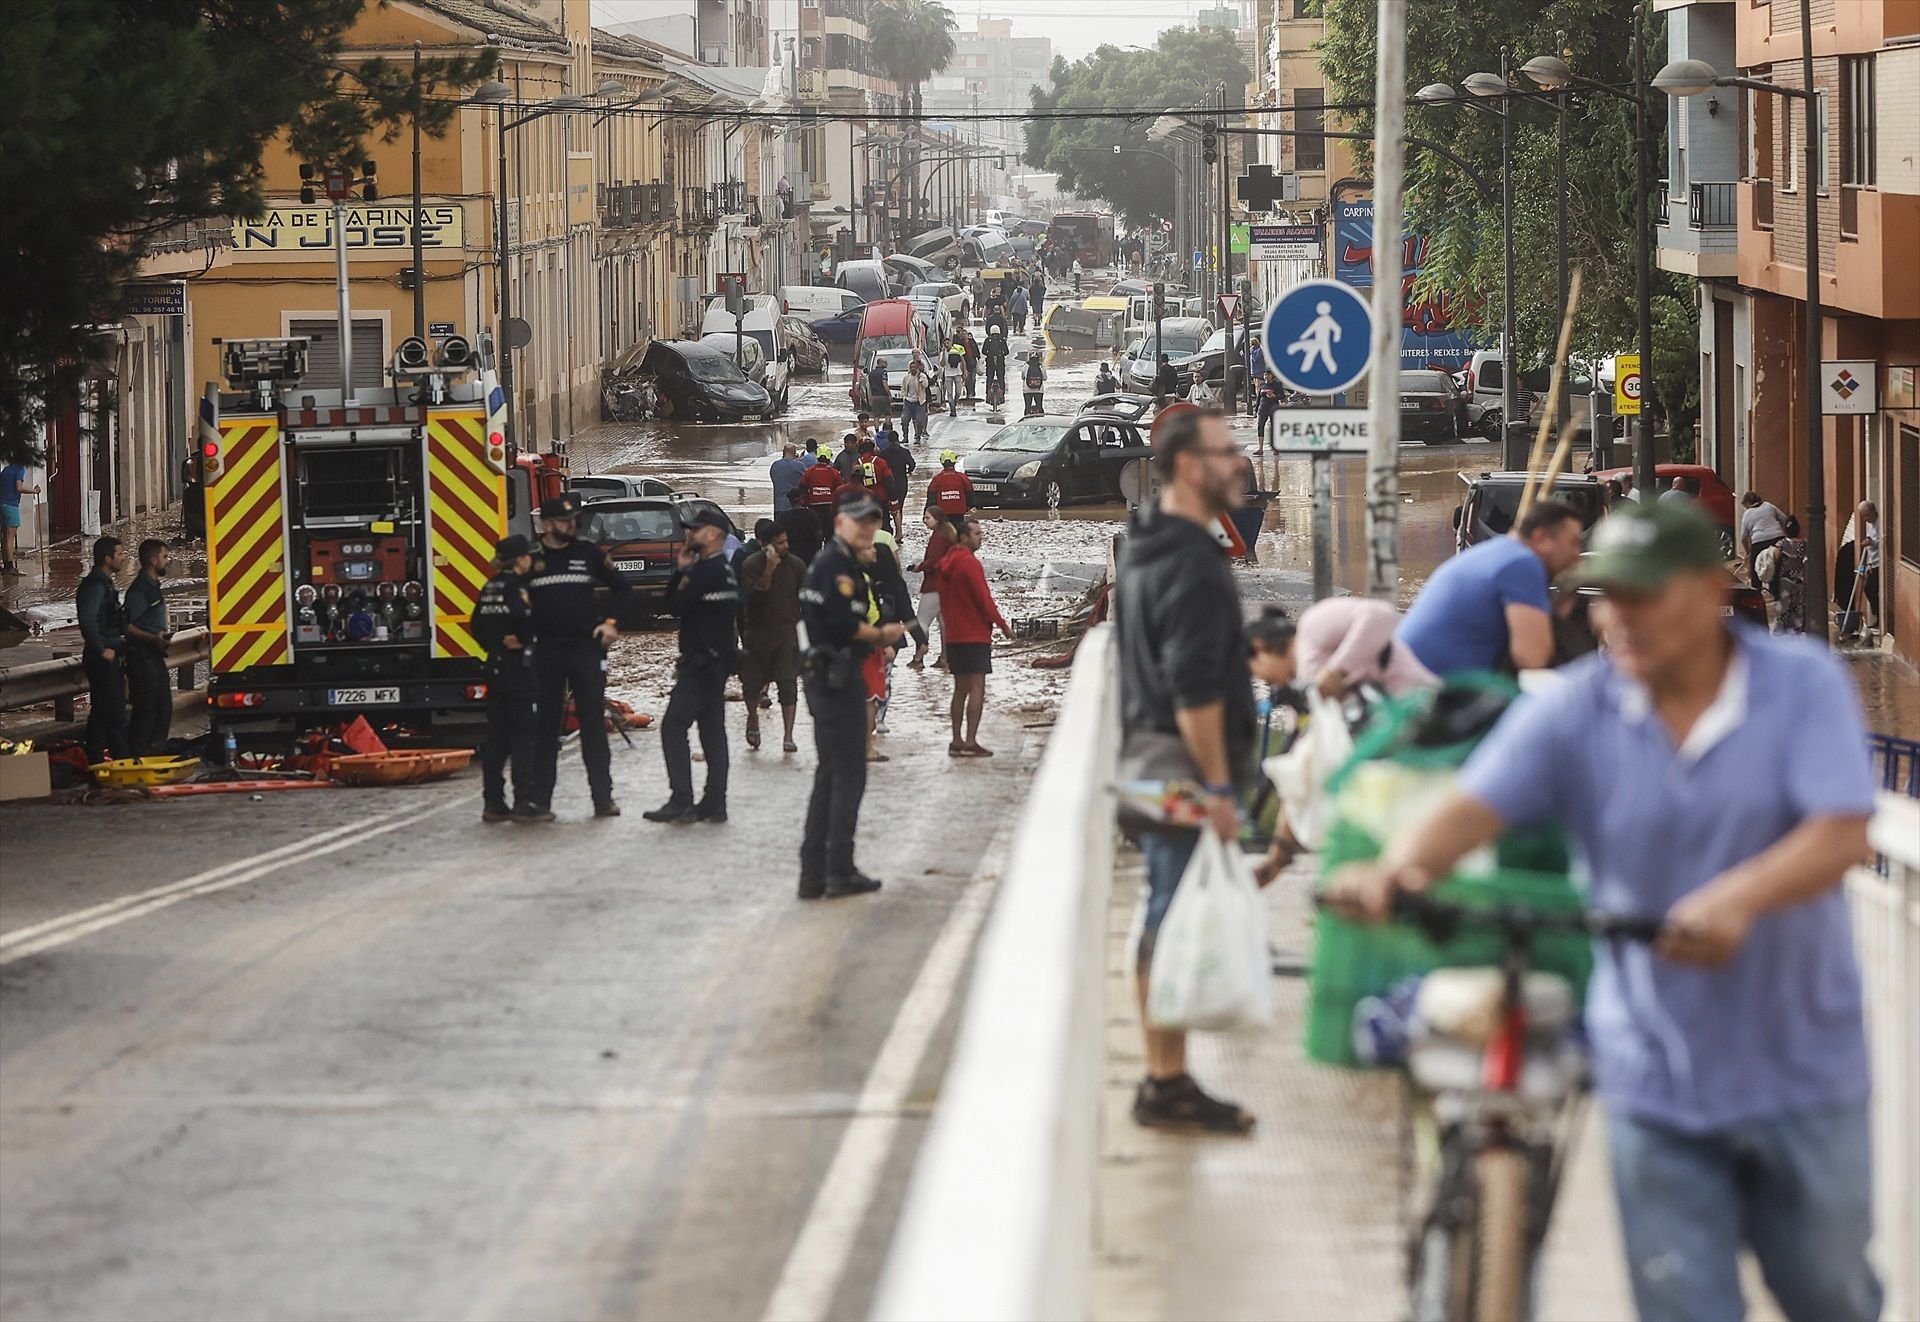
(167, 299)
(1286, 243)
(374, 227)
(440, 329)
(1847, 386)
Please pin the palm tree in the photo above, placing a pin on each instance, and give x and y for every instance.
(912, 40)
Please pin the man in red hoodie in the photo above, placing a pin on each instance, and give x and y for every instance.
(968, 617)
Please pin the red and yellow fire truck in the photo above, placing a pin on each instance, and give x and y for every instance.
(347, 539)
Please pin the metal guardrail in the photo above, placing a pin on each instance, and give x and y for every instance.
(1885, 901)
(998, 1222)
(1713, 206)
(61, 680)
(1896, 763)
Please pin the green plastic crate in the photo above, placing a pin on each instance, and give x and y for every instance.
(1352, 961)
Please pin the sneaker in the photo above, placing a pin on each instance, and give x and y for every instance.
(858, 884)
(528, 816)
(880, 727)
(495, 813)
(1178, 1103)
(672, 812)
(607, 809)
(710, 812)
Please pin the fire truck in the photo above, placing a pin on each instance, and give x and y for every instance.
(347, 538)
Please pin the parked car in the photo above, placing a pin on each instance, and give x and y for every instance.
(1212, 355)
(770, 371)
(812, 302)
(1485, 372)
(1491, 501)
(696, 381)
(609, 486)
(842, 327)
(868, 278)
(641, 536)
(940, 246)
(907, 270)
(1122, 405)
(808, 349)
(1183, 335)
(933, 314)
(1715, 498)
(1431, 407)
(757, 311)
(952, 296)
(887, 325)
(1054, 460)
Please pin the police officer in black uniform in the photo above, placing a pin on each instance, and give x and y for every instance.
(836, 603)
(572, 634)
(503, 624)
(704, 593)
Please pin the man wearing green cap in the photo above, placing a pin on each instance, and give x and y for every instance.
(1731, 1054)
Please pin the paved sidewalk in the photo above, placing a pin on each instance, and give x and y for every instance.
(1302, 1219)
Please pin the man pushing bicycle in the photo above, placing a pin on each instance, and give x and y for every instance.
(1731, 1054)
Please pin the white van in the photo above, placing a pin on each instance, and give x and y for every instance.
(812, 302)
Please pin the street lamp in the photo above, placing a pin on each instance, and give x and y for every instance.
(497, 94)
(1692, 78)
(1552, 73)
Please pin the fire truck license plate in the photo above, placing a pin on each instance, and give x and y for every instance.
(360, 697)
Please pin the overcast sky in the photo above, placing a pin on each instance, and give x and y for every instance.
(1076, 26)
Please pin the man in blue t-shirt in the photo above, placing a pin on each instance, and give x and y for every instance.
(787, 473)
(1488, 606)
(1731, 1054)
(13, 484)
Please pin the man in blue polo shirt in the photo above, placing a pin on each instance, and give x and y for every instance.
(1488, 607)
(1731, 1054)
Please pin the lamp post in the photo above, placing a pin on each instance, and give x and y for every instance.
(1552, 73)
(1489, 87)
(499, 95)
(1691, 78)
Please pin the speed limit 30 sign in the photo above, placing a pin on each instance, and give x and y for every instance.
(1626, 383)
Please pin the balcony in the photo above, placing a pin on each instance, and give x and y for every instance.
(696, 208)
(1712, 206)
(1660, 204)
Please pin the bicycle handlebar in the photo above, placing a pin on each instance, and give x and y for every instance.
(1442, 919)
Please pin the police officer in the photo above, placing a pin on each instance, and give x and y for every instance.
(835, 602)
(146, 659)
(503, 624)
(704, 593)
(572, 635)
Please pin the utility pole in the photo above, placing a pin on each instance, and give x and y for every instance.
(344, 324)
(1810, 187)
(1509, 395)
(1383, 389)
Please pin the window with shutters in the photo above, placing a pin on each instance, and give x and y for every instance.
(323, 353)
(1309, 153)
(1857, 145)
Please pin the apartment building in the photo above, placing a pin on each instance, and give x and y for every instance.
(844, 158)
(715, 32)
(1734, 216)
(1287, 76)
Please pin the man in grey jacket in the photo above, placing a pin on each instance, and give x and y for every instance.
(1186, 706)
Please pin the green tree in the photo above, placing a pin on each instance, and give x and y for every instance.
(912, 41)
(1448, 42)
(124, 117)
(1183, 67)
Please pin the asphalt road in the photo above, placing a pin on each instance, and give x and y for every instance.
(368, 1058)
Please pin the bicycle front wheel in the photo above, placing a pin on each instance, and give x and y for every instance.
(1503, 1240)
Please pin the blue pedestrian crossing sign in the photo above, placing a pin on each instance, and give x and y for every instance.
(1319, 337)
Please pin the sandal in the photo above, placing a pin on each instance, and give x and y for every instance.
(788, 746)
(975, 750)
(1178, 1103)
(753, 736)
(878, 757)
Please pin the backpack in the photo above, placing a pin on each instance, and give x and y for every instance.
(1035, 375)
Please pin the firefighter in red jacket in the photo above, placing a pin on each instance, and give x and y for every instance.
(818, 486)
(876, 475)
(949, 491)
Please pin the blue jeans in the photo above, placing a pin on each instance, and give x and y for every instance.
(1797, 1188)
(1167, 854)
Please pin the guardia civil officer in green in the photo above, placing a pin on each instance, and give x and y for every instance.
(503, 624)
(836, 601)
(149, 700)
(572, 631)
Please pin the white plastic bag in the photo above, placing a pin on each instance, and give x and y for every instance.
(1302, 772)
(1210, 961)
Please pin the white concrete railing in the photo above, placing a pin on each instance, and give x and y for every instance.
(1886, 935)
(998, 1221)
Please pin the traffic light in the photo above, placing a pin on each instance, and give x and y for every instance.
(1209, 144)
(306, 184)
(369, 186)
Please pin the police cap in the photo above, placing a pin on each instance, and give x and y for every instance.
(857, 503)
(511, 548)
(563, 506)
